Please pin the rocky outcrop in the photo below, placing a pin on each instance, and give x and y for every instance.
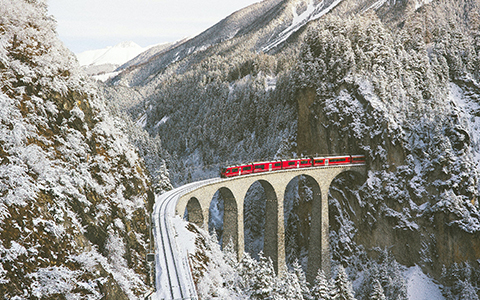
(420, 197)
(73, 191)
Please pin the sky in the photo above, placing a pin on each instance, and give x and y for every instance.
(95, 24)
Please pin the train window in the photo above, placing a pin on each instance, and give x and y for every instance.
(291, 163)
(228, 171)
(304, 162)
(260, 167)
(337, 159)
(247, 168)
(278, 164)
(319, 161)
(234, 170)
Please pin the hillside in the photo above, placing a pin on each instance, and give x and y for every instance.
(74, 193)
(395, 80)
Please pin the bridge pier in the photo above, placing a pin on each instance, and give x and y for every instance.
(230, 219)
(274, 239)
(319, 246)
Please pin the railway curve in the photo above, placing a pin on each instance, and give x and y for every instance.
(173, 278)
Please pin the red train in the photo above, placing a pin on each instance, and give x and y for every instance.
(258, 167)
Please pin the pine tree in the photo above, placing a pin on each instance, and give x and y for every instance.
(230, 254)
(246, 270)
(391, 278)
(467, 291)
(321, 288)
(302, 281)
(343, 285)
(288, 287)
(263, 279)
(377, 291)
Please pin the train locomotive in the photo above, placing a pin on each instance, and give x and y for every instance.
(309, 162)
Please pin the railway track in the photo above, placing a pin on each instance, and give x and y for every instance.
(173, 276)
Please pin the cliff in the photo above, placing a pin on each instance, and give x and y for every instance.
(73, 190)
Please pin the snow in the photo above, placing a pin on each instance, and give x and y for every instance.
(270, 83)
(117, 55)
(468, 111)
(106, 76)
(162, 121)
(142, 121)
(185, 239)
(421, 3)
(420, 286)
(313, 12)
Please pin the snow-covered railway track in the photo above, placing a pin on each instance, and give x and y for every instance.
(173, 275)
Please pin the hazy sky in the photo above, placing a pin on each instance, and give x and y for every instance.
(94, 24)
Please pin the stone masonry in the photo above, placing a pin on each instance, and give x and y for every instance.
(233, 191)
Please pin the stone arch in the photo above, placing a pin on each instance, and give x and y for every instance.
(194, 213)
(230, 216)
(270, 224)
(254, 205)
(301, 194)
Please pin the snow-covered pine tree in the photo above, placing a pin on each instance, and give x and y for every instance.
(263, 280)
(258, 278)
(288, 287)
(467, 291)
(333, 289)
(391, 277)
(230, 254)
(343, 285)
(377, 291)
(302, 281)
(321, 289)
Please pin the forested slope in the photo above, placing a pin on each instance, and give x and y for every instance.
(395, 80)
(73, 190)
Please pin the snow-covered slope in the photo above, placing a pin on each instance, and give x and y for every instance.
(73, 189)
(116, 55)
(312, 12)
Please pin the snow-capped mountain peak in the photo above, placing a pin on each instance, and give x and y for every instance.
(116, 55)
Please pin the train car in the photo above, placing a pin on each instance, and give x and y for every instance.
(306, 162)
(338, 160)
(319, 161)
(297, 163)
(290, 164)
(236, 171)
(229, 172)
(276, 165)
(259, 167)
(358, 159)
(246, 169)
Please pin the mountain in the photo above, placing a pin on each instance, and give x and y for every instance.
(117, 55)
(149, 52)
(107, 60)
(74, 193)
(395, 80)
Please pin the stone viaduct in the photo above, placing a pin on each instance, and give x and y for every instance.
(233, 191)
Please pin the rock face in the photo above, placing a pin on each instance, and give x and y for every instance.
(398, 96)
(73, 191)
